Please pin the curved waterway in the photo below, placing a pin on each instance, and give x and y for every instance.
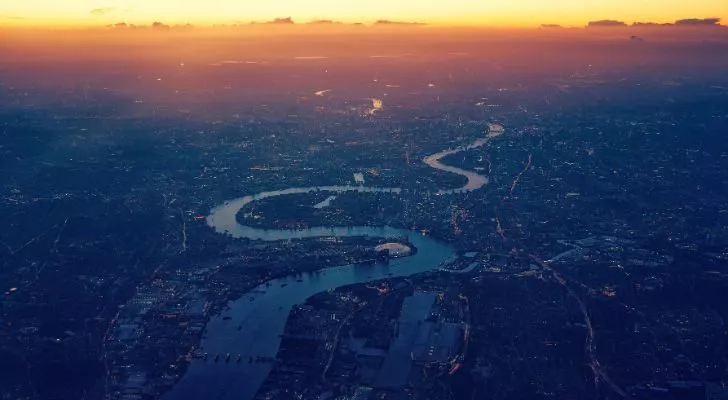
(475, 181)
(252, 325)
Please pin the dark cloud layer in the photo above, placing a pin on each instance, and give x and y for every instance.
(649, 24)
(606, 23)
(681, 22)
(698, 22)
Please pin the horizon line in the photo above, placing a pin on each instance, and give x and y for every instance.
(333, 24)
(20, 22)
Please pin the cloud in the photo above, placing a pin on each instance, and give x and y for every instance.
(102, 11)
(390, 22)
(324, 22)
(277, 21)
(606, 23)
(636, 38)
(160, 26)
(649, 24)
(551, 26)
(698, 22)
(681, 22)
(282, 21)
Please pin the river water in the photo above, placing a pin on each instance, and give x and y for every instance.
(252, 324)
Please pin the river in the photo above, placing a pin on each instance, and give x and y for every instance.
(262, 312)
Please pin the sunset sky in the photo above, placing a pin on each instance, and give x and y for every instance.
(450, 12)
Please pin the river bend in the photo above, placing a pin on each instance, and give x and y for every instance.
(263, 311)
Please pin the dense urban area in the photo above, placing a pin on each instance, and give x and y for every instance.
(591, 263)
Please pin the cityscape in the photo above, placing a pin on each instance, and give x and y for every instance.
(429, 214)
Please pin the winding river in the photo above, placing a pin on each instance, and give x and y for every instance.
(262, 312)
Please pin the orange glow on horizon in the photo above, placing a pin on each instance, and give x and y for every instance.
(497, 13)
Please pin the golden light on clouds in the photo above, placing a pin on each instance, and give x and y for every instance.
(450, 12)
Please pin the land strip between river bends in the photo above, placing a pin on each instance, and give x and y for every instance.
(223, 218)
